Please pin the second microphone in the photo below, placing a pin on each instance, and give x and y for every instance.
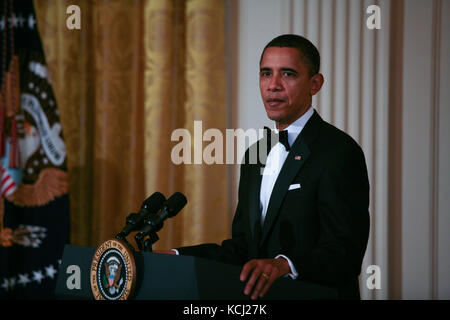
(170, 208)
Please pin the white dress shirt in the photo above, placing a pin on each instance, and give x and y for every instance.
(274, 163)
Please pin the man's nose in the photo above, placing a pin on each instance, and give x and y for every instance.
(275, 83)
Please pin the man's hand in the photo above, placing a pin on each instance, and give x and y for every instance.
(262, 272)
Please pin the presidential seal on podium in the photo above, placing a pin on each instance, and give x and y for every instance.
(113, 271)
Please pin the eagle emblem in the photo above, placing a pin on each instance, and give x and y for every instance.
(112, 280)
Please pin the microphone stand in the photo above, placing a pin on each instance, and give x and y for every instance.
(130, 221)
(145, 244)
(152, 238)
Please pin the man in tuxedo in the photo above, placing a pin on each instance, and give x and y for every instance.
(303, 212)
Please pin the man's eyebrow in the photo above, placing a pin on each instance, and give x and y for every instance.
(289, 69)
(282, 69)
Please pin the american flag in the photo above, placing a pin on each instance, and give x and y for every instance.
(34, 204)
(7, 184)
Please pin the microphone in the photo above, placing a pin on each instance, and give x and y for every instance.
(135, 221)
(171, 207)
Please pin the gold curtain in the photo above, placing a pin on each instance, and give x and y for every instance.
(136, 71)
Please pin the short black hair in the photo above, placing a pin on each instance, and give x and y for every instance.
(308, 52)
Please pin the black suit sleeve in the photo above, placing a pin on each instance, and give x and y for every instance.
(343, 200)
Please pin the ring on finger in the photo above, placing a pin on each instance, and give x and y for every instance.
(265, 275)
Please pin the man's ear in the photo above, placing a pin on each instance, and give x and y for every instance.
(316, 83)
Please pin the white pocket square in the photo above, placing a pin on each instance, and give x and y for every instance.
(295, 186)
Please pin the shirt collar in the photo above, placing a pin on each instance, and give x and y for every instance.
(296, 127)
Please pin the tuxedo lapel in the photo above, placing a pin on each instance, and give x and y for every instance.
(297, 156)
(254, 207)
(254, 202)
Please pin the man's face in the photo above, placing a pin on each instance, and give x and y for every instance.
(285, 85)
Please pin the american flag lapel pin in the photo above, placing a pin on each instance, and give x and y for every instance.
(298, 157)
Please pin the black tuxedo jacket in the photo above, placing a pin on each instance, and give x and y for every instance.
(323, 226)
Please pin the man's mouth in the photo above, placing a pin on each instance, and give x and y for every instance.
(274, 102)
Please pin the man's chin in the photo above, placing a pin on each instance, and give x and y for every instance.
(274, 116)
(281, 122)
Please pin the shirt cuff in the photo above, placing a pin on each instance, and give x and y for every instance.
(176, 251)
(293, 273)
